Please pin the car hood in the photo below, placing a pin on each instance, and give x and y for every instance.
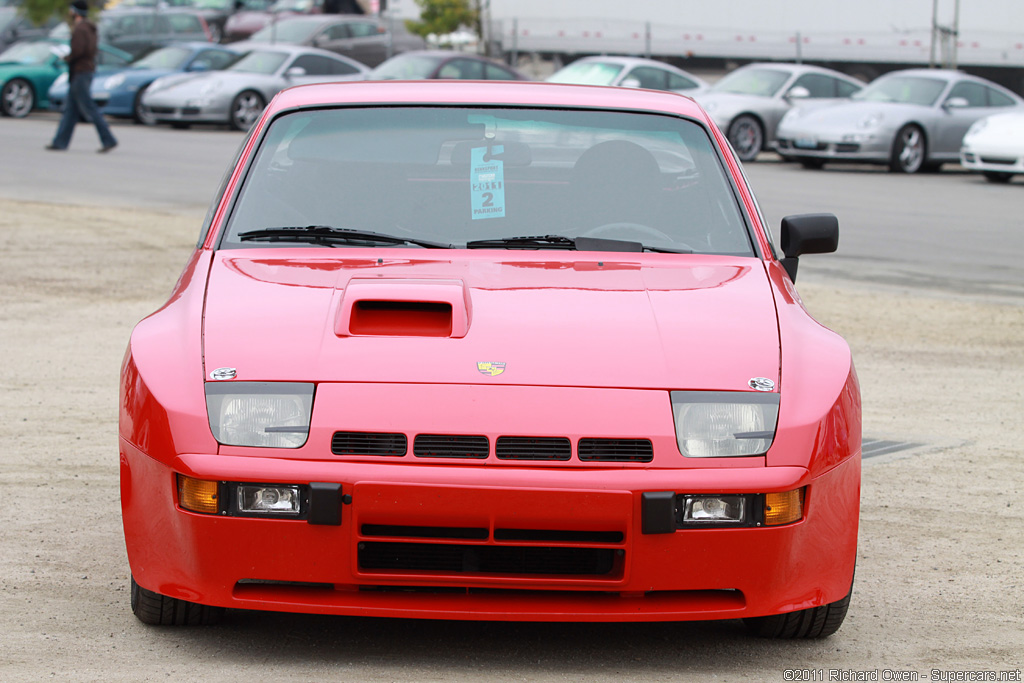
(204, 83)
(850, 115)
(594, 319)
(727, 103)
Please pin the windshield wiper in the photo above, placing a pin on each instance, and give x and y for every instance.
(325, 234)
(569, 243)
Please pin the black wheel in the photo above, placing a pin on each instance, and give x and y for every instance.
(141, 114)
(816, 622)
(246, 109)
(160, 610)
(747, 136)
(180, 125)
(17, 98)
(813, 164)
(997, 176)
(909, 150)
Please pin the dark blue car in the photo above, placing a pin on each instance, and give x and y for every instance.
(120, 93)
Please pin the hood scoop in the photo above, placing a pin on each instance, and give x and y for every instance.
(403, 308)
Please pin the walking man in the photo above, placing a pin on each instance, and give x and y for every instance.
(81, 66)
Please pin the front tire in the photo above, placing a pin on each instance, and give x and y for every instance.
(246, 109)
(160, 610)
(909, 150)
(816, 622)
(746, 136)
(141, 114)
(812, 164)
(997, 176)
(17, 99)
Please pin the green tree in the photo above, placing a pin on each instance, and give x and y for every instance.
(443, 16)
(39, 11)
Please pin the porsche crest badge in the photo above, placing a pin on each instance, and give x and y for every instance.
(489, 368)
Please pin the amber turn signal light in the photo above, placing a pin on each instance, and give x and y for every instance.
(198, 495)
(783, 508)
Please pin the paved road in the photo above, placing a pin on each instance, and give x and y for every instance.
(950, 230)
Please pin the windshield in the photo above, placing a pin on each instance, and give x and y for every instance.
(36, 52)
(405, 68)
(259, 62)
(291, 31)
(587, 73)
(903, 89)
(164, 58)
(763, 82)
(457, 175)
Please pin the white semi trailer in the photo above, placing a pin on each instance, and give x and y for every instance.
(861, 37)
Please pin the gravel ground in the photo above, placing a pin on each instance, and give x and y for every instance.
(939, 580)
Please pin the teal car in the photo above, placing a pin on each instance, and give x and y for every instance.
(29, 68)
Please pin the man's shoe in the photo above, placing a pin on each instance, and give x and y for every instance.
(106, 148)
(55, 148)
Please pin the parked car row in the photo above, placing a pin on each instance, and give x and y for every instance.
(910, 120)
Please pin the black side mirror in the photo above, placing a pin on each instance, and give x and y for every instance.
(809, 233)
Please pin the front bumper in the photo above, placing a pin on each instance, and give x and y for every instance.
(555, 544)
(875, 150)
(995, 161)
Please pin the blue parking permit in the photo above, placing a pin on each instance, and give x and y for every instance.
(487, 182)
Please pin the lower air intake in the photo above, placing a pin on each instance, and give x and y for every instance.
(486, 559)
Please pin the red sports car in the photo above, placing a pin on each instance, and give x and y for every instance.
(491, 351)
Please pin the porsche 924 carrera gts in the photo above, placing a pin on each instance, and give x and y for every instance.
(491, 351)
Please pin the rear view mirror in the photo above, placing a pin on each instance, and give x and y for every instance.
(810, 233)
(513, 154)
(295, 71)
(798, 92)
(956, 103)
(630, 83)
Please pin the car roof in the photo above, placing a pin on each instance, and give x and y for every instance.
(328, 19)
(488, 93)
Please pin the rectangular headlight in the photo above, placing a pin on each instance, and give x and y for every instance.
(724, 424)
(714, 510)
(262, 414)
(268, 499)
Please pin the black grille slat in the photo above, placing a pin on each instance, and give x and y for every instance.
(369, 443)
(616, 450)
(486, 559)
(532, 448)
(450, 446)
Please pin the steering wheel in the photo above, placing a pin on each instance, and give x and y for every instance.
(616, 230)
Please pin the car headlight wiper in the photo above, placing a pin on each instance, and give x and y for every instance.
(570, 243)
(325, 234)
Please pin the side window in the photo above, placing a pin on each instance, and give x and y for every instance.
(465, 69)
(317, 65)
(974, 93)
(156, 25)
(213, 60)
(818, 85)
(185, 23)
(337, 32)
(650, 78)
(363, 29)
(107, 59)
(677, 82)
(845, 89)
(496, 73)
(998, 99)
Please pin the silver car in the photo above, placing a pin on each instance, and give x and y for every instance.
(749, 102)
(237, 95)
(909, 120)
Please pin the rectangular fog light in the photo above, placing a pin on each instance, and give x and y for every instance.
(715, 510)
(262, 499)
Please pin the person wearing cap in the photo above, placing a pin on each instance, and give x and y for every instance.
(81, 67)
